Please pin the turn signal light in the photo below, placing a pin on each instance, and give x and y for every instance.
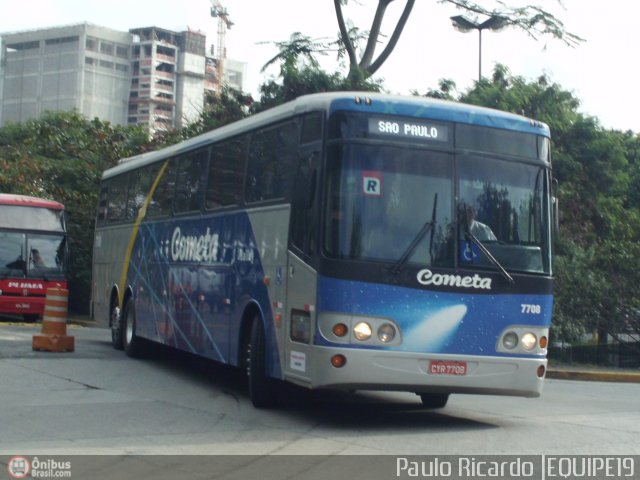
(541, 371)
(338, 360)
(543, 342)
(340, 330)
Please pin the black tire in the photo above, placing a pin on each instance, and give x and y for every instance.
(30, 317)
(261, 389)
(117, 330)
(131, 343)
(434, 400)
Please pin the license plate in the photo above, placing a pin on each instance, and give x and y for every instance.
(447, 367)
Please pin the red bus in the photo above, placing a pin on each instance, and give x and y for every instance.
(33, 253)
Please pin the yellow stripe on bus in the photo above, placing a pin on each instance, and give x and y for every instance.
(134, 233)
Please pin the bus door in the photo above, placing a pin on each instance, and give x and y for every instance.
(301, 272)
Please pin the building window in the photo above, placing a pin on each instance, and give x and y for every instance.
(106, 48)
(23, 46)
(122, 51)
(92, 44)
(56, 41)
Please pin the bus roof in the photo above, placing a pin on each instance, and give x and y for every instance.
(27, 201)
(367, 102)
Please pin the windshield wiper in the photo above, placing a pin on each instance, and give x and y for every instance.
(429, 225)
(478, 243)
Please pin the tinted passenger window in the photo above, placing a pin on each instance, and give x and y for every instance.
(162, 200)
(226, 172)
(311, 128)
(271, 163)
(102, 204)
(139, 185)
(117, 198)
(189, 183)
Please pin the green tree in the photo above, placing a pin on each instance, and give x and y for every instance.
(300, 74)
(61, 156)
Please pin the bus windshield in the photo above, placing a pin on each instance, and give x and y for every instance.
(33, 255)
(503, 205)
(382, 200)
(46, 255)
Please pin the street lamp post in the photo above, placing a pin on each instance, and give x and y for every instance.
(463, 24)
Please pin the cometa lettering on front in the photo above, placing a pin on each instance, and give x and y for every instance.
(427, 277)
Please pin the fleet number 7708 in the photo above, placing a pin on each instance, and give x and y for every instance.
(531, 309)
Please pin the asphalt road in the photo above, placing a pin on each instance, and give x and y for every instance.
(98, 401)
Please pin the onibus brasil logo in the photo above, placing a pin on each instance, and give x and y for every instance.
(22, 467)
(19, 467)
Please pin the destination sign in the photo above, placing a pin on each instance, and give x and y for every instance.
(410, 130)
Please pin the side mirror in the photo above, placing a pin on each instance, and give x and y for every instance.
(555, 208)
(555, 215)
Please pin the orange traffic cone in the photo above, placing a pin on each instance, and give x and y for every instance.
(54, 336)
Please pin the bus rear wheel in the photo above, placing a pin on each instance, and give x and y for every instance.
(261, 389)
(434, 400)
(116, 327)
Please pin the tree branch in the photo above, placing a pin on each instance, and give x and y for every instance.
(374, 33)
(373, 68)
(348, 44)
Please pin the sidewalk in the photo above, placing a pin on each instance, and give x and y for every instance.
(595, 374)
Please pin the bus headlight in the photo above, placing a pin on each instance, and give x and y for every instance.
(529, 341)
(362, 331)
(510, 340)
(386, 333)
(523, 340)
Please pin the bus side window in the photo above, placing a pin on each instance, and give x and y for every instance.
(117, 202)
(311, 128)
(189, 182)
(304, 222)
(272, 156)
(226, 171)
(162, 201)
(139, 185)
(102, 204)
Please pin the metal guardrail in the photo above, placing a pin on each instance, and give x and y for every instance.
(619, 355)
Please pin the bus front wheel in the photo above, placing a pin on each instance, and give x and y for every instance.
(434, 400)
(260, 385)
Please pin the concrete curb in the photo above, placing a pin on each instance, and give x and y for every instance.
(594, 375)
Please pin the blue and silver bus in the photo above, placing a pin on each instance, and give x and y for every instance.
(339, 241)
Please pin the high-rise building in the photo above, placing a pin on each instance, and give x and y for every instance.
(83, 67)
(150, 76)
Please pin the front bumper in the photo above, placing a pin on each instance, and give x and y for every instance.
(367, 369)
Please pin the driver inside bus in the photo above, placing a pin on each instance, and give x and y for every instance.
(36, 258)
(478, 229)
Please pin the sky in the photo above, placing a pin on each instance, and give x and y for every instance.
(603, 72)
